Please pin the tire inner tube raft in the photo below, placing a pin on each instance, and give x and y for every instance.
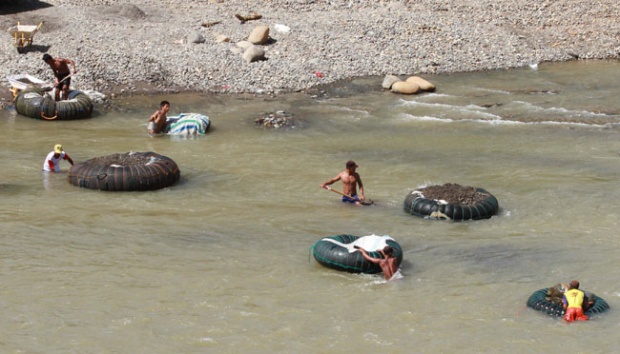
(131, 171)
(451, 202)
(33, 102)
(549, 301)
(338, 252)
(187, 124)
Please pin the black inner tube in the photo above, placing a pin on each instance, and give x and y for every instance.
(132, 171)
(334, 256)
(416, 204)
(538, 301)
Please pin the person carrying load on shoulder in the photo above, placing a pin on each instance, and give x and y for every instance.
(62, 74)
(350, 180)
(52, 161)
(573, 302)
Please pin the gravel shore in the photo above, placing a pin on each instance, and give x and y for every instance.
(142, 47)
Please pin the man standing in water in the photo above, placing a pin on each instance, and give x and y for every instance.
(60, 66)
(157, 121)
(52, 160)
(350, 179)
(389, 263)
(573, 302)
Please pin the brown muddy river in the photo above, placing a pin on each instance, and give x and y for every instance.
(220, 261)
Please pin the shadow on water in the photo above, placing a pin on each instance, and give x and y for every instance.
(8, 7)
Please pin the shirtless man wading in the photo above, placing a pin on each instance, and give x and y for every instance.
(157, 120)
(350, 179)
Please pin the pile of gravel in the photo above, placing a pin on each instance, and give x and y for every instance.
(142, 46)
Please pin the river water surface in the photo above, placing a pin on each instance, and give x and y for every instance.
(220, 262)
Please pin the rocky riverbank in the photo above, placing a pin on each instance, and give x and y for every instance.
(181, 45)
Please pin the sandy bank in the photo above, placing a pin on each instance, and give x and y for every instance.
(140, 47)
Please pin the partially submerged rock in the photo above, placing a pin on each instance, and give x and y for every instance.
(411, 85)
(389, 80)
(277, 119)
(423, 84)
(405, 87)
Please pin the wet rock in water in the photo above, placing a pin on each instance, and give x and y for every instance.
(404, 87)
(277, 119)
(423, 84)
(389, 80)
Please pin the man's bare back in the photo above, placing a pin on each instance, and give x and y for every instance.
(389, 267)
(388, 264)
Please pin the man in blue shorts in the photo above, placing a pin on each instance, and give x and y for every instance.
(350, 179)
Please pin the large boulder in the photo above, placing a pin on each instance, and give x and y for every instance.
(405, 87)
(423, 84)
